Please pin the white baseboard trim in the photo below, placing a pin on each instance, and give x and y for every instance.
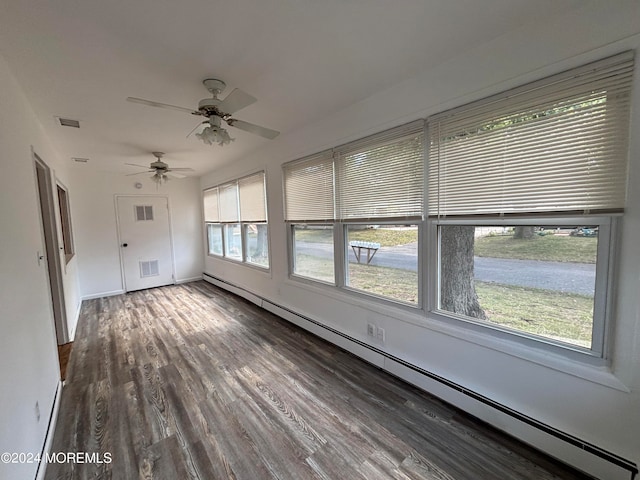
(187, 280)
(51, 429)
(103, 294)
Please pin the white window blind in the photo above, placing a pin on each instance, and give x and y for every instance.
(252, 198)
(309, 188)
(556, 145)
(211, 205)
(382, 176)
(228, 198)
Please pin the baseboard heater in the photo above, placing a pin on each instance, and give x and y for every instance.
(610, 457)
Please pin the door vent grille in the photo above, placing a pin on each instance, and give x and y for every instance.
(144, 212)
(149, 269)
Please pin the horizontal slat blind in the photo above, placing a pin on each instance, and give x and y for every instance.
(557, 145)
(210, 200)
(382, 176)
(309, 188)
(229, 202)
(252, 198)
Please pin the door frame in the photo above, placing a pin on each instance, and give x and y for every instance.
(119, 233)
(51, 244)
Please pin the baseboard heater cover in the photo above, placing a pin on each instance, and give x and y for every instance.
(610, 457)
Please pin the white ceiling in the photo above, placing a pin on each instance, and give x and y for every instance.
(302, 59)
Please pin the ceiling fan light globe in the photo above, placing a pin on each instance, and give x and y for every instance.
(214, 134)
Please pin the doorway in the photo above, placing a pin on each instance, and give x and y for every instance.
(144, 232)
(51, 255)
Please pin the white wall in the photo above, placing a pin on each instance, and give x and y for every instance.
(598, 405)
(28, 356)
(96, 233)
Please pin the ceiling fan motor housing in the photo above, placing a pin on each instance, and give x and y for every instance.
(209, 106)
(159, 165)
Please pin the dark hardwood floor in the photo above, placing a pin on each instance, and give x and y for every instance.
(191, 382)
(64, 353)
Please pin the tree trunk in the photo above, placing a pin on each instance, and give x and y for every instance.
(523, 233)
(457, 289)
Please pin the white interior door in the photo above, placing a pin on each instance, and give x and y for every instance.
(145, 242)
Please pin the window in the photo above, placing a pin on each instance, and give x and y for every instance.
(313, 251)
(65, 223)
(518, 186)
(235, 215)
(536, 279)
(232, 241)
(354, 214)
(383, 260)
(214, 236)
(520, 197)
(212, 221)
(229, 215)
(257, 244)
(381, 180)
(253, 214)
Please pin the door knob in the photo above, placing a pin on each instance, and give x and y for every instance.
(125, 244)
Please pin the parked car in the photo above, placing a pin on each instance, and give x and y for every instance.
(584, 232)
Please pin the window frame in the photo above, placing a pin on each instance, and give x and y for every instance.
(68, 246)
(209, 252)
(344, 226)
(245, 245)
(291, 247)
(226, 239)
(603, 287)
(223, 224)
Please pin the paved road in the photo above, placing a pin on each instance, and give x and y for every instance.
(560, 276)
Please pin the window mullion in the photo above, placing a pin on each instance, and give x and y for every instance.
(243, 242)
(602, 302)
(339, 253)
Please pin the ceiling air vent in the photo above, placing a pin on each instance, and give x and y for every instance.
(67, 122)
(80, 159)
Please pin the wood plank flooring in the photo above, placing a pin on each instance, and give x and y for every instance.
(192, 382)
(64, 353)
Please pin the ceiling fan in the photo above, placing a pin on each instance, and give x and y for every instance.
(161, 171)
(216, 111)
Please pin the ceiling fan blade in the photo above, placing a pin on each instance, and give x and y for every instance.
(150, 103)
(136, 165)
(181, 169)
(235, 101)
(251, 128)
(175, 175)
(138, 173)
(194, 129)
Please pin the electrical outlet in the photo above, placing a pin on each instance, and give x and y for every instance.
(380, 334)
(371, 329)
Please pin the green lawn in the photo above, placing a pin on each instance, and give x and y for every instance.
(386, 237)
(561, 316)
(549, 247)
(318, 268)
(394, 283)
